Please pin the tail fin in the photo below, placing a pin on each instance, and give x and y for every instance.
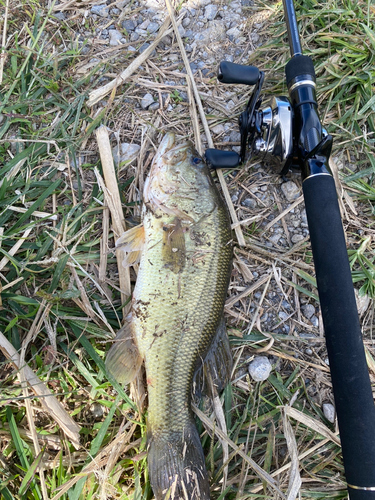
(176, 465)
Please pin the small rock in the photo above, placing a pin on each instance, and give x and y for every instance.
(363, 301)
(134, 37)
(152, 27)
(308, 310)
(128, 25)
(100, 10)
(214, 33)
(275, 237)
(234, 34)
(260, 368)
(329, 412)
(186, 21)
(167, 40)
(154, 106)
(147, 100)
(115, 12)
(97, 410)
(308, 351)
(144, 25)
(114, 37)
(141, 32)
(290, 190)
(218, 129)
(234, 198)
(145, 46)
(234, 136)
(181, 30)
(297, 237)
(314, 320)
(59, 15)
(210, 11)
(283, 315)
(249, 203)
(254, 37)
(128, 152)
(230, 104)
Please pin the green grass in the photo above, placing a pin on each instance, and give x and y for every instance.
(45, 131)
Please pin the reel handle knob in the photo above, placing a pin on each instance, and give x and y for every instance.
(237, 73)
(216, 158)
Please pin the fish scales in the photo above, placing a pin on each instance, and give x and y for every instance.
(179, 315)
(177, 308)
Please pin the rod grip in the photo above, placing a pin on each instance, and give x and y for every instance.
(350, 378)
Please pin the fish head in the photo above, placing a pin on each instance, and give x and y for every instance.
(179, 182)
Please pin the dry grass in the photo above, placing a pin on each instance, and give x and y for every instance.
(61, 300)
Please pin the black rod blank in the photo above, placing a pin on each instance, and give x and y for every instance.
(292, 28)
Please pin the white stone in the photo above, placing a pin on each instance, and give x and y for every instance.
(291, 190)
(329, 412)
(218, 129)
(260, 368)
(146, 101)
(128, 153)
(308, 310)
(115, 37)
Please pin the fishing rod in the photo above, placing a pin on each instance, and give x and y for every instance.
(287, 134)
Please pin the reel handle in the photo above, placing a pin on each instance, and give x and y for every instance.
(237, 73)
(216, 158)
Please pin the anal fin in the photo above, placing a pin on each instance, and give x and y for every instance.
(216, 366)
(123, 360)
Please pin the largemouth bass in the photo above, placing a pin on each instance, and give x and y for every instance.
(176, 322)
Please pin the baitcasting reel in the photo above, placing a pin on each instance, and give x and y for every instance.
(269, 133)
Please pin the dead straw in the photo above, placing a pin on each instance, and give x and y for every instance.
(112, 196)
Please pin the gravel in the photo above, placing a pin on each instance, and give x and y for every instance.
(128, 25)
(146, 101)
(290, 190)
(210, 12)
(308, 310)
(115, 37)
(100, 10)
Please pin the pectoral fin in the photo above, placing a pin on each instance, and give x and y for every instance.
(216, 366)
(123, 360)
(174, 255)
(132, 242)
